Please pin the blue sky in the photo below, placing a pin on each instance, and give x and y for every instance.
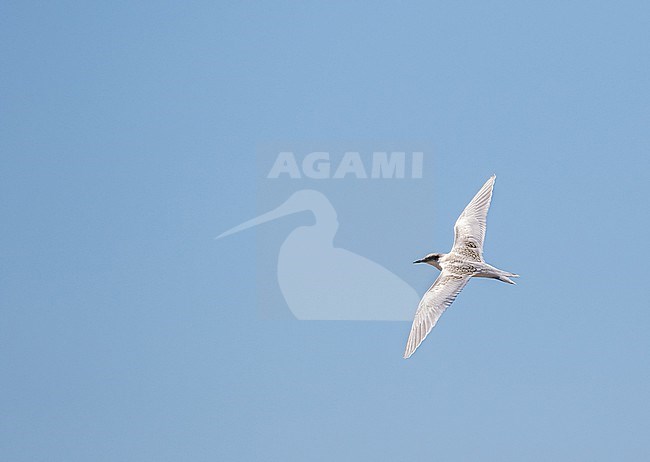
(128, 140)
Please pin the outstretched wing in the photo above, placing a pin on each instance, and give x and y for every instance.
(435, 301)
(469, 230)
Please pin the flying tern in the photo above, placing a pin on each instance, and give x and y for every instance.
(464, 261)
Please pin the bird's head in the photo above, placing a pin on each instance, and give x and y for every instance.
(432, 259)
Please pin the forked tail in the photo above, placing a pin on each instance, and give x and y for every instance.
(505, 276)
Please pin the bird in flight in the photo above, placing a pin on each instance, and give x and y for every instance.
(464, 261)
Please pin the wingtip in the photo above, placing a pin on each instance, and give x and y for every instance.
(408, 353)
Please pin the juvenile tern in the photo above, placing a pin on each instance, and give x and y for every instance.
(464, 261)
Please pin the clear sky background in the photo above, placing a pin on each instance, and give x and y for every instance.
(127, 137)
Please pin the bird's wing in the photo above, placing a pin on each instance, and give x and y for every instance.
(435, 301)
(469, 230)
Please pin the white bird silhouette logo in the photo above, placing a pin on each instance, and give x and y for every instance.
(322, 282)
(464, 261)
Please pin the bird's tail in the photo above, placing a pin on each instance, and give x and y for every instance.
(505, 276)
